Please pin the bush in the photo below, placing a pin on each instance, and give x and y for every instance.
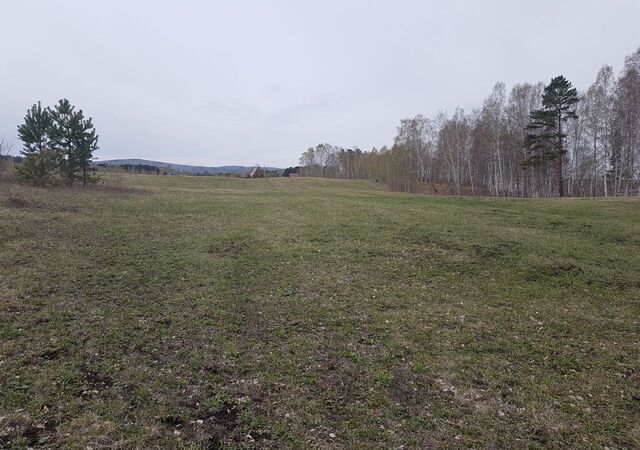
(7, 171)
(41, 168)
(6, 161)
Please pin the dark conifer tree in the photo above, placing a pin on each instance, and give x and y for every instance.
(63, 130)
(85, 142)
(41, 162)
(34, 132)
(75, 138)
(58, 141)
(546, 135)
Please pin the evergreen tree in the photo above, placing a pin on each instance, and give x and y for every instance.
(34, 132)
(75, 138)
(545, 140)
(41, 162)
(63, 130)
(41, 168)
(58, 141)
(85, 142)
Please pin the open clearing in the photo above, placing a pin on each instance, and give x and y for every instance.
(208, 312)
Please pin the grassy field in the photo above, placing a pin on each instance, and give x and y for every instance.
(201, 312)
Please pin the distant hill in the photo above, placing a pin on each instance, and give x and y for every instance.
(183, 168)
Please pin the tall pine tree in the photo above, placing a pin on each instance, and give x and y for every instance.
(85, 143)
(34, 132)
(75, 138)
(545, 140)
(63, 130)
(41, 162)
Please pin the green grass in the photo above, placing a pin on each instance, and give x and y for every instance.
(199, 312)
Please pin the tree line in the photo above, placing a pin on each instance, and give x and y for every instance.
(535, 141)
(132, 168)
(58, 145)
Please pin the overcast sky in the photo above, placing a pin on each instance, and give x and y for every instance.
(258, 82)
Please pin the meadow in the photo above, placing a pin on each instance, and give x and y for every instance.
(209, 312)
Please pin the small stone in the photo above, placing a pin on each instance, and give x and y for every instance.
(332, 435)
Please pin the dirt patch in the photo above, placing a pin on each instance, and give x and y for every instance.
(552, 270)
(213, 443)
(226, 416)
(222, 425)
(21, 203)
(32, 435)
(172, 421)
(481, 252)
(96, 380)
(51, 354)
(230, 247)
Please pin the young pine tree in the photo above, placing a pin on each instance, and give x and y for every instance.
(63, 129)
(41, 162)
(75, 139)
(545, 140)
(34, 132)
(85, 142)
